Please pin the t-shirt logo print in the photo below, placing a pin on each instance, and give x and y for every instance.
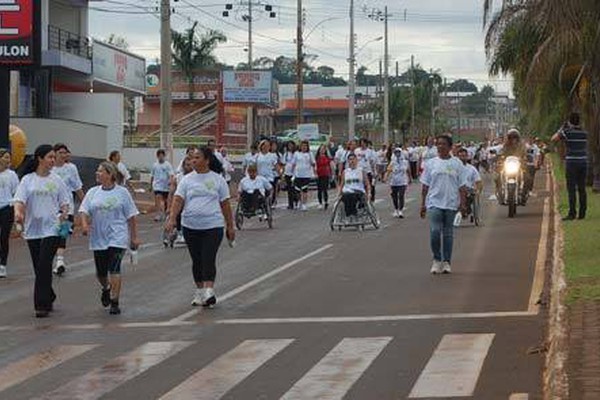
(109, 204)
(48, 189)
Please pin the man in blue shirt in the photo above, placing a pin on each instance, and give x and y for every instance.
(575, 142)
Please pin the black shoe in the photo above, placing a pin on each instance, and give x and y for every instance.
(114, 308)
(42, 313)
(326, 206)
(105, 297)
(581, 217)
(569, 218)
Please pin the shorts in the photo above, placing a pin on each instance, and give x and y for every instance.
(108, 262)
(302, 184)
(164, 195)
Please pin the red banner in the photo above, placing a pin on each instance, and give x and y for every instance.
(17, 32)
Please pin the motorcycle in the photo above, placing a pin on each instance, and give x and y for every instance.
(511, 187)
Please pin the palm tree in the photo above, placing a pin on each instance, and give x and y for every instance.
(552, 48)
(192, 51)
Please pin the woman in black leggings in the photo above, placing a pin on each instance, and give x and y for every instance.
(41, 204)
(203, 200)
(8, 186)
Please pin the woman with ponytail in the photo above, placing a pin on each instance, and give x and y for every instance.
(41, 205)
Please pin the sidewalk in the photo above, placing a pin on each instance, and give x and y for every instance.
(582, 270)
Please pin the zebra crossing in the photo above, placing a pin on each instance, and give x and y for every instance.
(453, 369)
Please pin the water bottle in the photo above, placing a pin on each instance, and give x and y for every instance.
(64, 229)
(133, 255)
(458, 219)
(231, 243)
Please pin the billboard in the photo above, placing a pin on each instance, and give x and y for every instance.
(119, 68)
(19, 44)
(248, 87)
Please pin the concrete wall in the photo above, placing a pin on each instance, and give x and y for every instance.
(65, 15)
(95, 108)
(83, 139)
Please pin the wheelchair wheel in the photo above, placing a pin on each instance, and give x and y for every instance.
(334, 220)
(373, 216)
(269, 212)
(239, 217)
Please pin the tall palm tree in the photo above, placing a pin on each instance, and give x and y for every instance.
(192, 51)
(552, 48)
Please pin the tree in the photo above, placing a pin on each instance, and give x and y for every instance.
(117, 41)
(551, 50)
(192, 51)
(478, 103)
(462, 85)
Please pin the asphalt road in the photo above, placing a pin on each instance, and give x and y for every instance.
(304, 313)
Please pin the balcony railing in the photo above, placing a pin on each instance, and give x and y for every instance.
(59, 39)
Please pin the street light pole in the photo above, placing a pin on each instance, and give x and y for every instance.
(166, 134)
(300, 67)
(351, 78)
(386, 83)
(250, 55)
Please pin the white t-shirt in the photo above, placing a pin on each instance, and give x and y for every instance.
(227, 169)
(124, 171)
(366, 159)
(249, 158)
(110, 211)
(413, 154)
(399, 171)
(69, 173)
(381, 157)
(266, 163)
(444, 179)
(288, 169)
(43, 197)
(8, 187)
(429, 153)
(249, 185)
(303, 164)
(202, 195)
(472, 176)
(161, 176)
(354, 180)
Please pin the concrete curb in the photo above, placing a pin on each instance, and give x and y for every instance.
(556, 385)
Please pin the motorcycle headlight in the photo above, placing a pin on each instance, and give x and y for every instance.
(512, 165)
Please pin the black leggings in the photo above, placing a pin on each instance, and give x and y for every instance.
(398, 193)
(6, 221)
(414, 169)
(62, 242)
(108, 261)
(291, 191)
(372, 182)
(42, 253)
(322, 188)
(351, 203)
(203, 246)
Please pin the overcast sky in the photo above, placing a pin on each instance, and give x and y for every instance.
(441, 34)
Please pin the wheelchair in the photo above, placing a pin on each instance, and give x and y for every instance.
(262, 209)
(365, 214)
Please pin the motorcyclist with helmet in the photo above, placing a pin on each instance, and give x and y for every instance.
(513, 146)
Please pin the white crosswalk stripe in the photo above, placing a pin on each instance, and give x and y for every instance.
(213, 381)
(454, 368)
(102, 380)
(35, 364)
(335, 374)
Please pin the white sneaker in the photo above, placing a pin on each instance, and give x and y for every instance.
(198, 296)
(395, 213)
(446, 269)
(436, 267)
(180, 239)
(400, 214)
(303, 207)
(2, 271)
(209, 298)
(60, 267)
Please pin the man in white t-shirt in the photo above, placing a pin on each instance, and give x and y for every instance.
(161, 175)
(473, 178)
(367, 161)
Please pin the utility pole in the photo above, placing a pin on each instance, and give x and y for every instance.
(412, 96)
(250, 55)
(351, 78)
(386, 83)
(300, 66)
(166, 133)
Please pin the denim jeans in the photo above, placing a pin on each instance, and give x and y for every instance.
(441, 231)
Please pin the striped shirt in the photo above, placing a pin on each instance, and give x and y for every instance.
(576, 143)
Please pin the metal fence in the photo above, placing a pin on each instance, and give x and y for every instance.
(60, 39)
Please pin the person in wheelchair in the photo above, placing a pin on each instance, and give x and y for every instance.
(354, 188)
(253, 190)
(474, 181)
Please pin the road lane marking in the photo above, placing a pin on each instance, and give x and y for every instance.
(20, 371)
(335, 374)
(454, 367)
(254, 282)
(377, 318)
(519, 396)
(227, 371)
(540, 264)
(103, 380)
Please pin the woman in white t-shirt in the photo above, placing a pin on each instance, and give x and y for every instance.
(398, 175)
(161, 175)
(303, 167)
(42, 204)
(8, 186)
(109, 218)
(124, 175)
(266, 162)
(354, 184)
(204, 198)
(444, 192)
